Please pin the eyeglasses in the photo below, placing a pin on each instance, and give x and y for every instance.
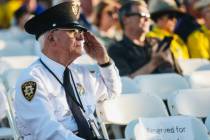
(141, 14)
(72, 32)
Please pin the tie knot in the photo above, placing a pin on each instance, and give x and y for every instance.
(66, 73)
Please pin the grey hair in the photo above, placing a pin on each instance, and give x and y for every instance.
(41, 40)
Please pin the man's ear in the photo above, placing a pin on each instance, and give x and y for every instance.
(50, 37)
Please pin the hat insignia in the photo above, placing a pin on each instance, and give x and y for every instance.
(28, 90)
(75, 9)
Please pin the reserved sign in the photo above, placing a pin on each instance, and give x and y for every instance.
(164, 128)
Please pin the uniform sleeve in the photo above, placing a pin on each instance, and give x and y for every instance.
(198, 45)
(109, 83)
(37, 116)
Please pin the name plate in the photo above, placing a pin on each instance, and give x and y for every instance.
(164, 128)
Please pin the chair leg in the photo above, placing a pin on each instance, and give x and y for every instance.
(104, 131)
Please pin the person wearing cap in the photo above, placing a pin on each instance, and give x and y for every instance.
(164, 13)
(135, 54)
(55, 98)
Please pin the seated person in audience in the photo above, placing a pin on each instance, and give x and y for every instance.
(164, 14)
(17, 31)
(33, 7)
(7, 9)
(198, 41)
(106, 21)
(135, 54)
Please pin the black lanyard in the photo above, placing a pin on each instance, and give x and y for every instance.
(78, 103)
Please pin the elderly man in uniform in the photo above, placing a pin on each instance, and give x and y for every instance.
(55, 98)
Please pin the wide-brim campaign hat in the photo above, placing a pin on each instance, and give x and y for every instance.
(158, 8)
(63, 15)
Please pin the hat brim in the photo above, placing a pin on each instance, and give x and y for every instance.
(74, 25)
(159, 14)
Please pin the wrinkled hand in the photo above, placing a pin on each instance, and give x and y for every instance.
(94, 49)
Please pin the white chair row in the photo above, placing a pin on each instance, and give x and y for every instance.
(165, 84)
(191, 65)
(16, 48)
(127, 107)
(191, 102)
(160, 84)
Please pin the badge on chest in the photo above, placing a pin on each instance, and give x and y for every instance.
(80, 89)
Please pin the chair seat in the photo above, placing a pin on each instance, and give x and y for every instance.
(5, 133)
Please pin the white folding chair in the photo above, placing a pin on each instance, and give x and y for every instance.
(192, 102)
(199, 79)
(196, 64)
(207, 123)
(199, 130)
(161, 85)
(129, 85)
(11, 114)
(10, 77)
(86, 60)
(19, 62)
(15, 48)
(127, 107)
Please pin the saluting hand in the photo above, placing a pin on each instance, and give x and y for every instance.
(94, 48)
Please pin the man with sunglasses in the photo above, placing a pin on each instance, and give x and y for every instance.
(134, 54)
(164, 14)
(55, 98)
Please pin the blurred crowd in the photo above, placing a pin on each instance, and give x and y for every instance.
(131, 30)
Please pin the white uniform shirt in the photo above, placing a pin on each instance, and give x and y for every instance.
(47, 116)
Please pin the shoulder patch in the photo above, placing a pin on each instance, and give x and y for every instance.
(28, 90)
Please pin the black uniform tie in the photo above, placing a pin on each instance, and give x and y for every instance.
(83, 126)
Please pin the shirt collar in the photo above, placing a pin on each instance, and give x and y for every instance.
(129, 42)
(55, 67)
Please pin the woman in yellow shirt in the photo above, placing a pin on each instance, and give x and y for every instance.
(164, 14)
(7, 9)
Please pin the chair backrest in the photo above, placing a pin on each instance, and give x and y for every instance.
(129, 85)
(19, 62)
(161, 84)
(15, 48)
(192, 102)
(129, 130)
(10, 77)
(207, 123)
(127, 107)
(198, 128)
(86, 60)
(196, 64)
(199, 79)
